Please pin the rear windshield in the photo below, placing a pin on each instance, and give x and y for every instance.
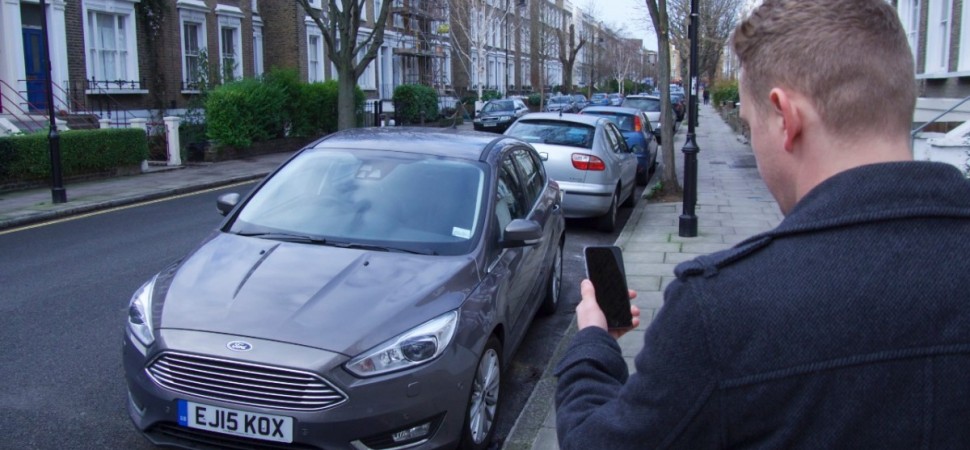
(553, 132)
(643, 104)
(504, 105)
(623, 121)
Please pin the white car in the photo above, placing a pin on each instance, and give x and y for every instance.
(588, 157)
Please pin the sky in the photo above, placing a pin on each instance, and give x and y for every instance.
(632, 15)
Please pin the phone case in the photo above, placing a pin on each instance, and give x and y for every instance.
(604, 267)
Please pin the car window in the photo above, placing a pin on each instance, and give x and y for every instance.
(532, 177)
(623, 121)
(643, 104)
(553, 132)
(373, 197)
(615, 139)
(509, 201)
(504, 105)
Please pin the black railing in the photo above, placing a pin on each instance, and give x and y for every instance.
(93, 97)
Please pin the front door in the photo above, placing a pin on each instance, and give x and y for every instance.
(36, 72)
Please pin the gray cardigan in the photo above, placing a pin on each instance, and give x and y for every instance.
(847, 326)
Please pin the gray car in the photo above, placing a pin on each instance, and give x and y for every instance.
(367, 294)
(589, 158)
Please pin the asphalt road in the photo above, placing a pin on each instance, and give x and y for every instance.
(64, 292)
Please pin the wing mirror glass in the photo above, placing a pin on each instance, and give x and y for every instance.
(226, 202)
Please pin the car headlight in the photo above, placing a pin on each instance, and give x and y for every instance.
(477, 120)
(140, 313)
(415, 347)
(505, 118)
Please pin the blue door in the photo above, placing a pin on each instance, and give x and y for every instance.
(36, 71)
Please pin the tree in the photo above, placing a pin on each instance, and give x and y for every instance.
(658, 15)
(568, 49)
(475, 24)
(339, 21)
(717, 19)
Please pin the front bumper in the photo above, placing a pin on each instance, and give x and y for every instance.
(585, 200)
(489, 124)
(374, 408)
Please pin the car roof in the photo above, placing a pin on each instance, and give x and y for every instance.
(566, 117)
(613, 109)
(447, 142)
(643, 96)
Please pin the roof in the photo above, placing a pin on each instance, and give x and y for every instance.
(612, 109)
(566, 117)
(447, 142)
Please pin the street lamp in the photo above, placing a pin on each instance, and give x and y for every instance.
(58, 194)
(688, 219)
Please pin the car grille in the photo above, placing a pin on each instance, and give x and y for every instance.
(170, 434)
(244, 383)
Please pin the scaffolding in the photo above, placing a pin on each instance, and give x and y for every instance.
(425, 45)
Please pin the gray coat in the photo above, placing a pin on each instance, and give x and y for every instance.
(847, 326)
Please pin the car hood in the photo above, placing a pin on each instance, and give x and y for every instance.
(336, 299)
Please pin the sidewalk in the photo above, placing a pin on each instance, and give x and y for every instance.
(733, 204)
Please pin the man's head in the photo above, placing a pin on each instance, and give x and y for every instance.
(851, 58)
(825, 85)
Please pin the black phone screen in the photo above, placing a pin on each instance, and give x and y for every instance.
(604, 267)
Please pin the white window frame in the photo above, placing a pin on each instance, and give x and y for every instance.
(128, 70)
(230, 18)
(314, 69)
(963, 65)
(939, 21)
(190, 12)
(258, 62)
(368, 79)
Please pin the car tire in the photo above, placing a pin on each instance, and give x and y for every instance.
(607, 222)
(551, 301)
(484, 399)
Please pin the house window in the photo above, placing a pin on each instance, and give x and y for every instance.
(258, 49)
(230, 42)
(112, 59)
(193, 48)
(315, 56)
(938, 37)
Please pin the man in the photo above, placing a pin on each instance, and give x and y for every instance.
(848, 325)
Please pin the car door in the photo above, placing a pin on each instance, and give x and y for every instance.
(625, 159)
(522, 175)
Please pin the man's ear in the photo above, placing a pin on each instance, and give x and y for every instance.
(791, 116)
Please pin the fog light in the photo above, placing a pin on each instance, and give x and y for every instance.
(412, 433)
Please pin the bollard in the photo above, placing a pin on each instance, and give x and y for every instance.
(104, 124)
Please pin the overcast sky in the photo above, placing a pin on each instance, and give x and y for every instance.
(632, 15)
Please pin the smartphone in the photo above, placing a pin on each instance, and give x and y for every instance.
(604, 267)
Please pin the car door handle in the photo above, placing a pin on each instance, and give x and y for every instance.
(556, 207)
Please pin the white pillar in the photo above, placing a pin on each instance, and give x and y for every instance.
(58, 49)
(172, 138)
(12, 51)
(105, 124)
(143, 125)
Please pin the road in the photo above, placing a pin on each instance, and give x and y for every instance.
(65, 292)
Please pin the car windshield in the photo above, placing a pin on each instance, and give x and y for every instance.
(598, 96)
(393, 200)
(623, 121)
(643, 104)
(559, 100)
(504, 105)
(579, 98)
(553, 132)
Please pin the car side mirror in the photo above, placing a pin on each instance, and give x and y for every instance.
(522, 233)
(226, 202)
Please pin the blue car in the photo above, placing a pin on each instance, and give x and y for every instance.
(599, 99)
(638, 133)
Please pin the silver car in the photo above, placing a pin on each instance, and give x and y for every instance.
(588, 157)
(366, 295)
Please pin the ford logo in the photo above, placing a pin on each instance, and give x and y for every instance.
(239, 346)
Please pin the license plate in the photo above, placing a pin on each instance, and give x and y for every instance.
(489, 124)
(239, 423)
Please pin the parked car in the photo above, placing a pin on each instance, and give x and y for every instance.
(679, 103)
(497, 115)
(589, 158)
(367, 294)
(562, 103)
(599, 99)
(650, 105)
(580, 101)
(638, 133)
(615, 99)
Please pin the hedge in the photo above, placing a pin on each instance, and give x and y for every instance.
(245, 111)
(317, 108)
(411, 100)
(27, 157)
(725, 91)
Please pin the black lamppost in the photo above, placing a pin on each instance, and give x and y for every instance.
(58, 194)
(688, 220)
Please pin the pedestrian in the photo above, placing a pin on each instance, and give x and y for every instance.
(707, 95)
(847, 325)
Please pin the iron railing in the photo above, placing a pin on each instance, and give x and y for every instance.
(13, 99)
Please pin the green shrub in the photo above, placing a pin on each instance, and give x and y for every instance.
(535, 99)
(289, 81)
(491, 95)
(725, 91)
(414, 101)
(27, 157)
(241, 112)
(317, 108)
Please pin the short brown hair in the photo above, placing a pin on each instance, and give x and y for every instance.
(851, 58)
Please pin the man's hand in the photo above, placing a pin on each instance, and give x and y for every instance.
(589, 314)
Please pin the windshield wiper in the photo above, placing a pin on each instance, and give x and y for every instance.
(379, 248)
(288, 237)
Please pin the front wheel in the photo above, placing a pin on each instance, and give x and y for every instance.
(551, 302)
(484, 399)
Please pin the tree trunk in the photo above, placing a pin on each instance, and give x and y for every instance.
(346, 109)
(658, 12)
